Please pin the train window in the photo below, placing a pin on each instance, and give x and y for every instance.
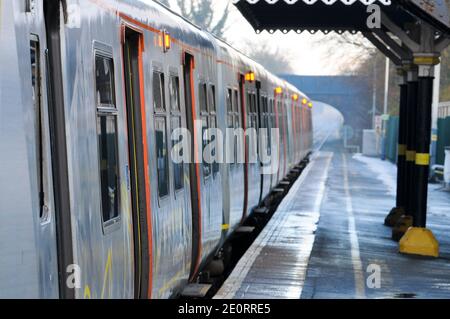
(109, 169)
(206, 165)
(162, 157)
(236, 101)
(268, 125)
(36, 96)
(107, 137)
(178, 168)
(159, 102)
(104, 74)
(252, 111)
(230, 117)
(202, 95)
(212, 98)
(215, 164)
(174, 90)
(229, 101)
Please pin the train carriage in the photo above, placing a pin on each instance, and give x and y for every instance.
(92, 94)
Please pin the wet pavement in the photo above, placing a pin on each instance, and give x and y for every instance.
(327, 239)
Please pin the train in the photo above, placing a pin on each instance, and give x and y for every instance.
(91, 92)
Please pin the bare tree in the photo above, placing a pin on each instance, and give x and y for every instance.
(273, 59)
(204, 14)
(351, 49)
(164, 2)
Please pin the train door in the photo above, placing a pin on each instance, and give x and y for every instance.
(279, 125)
(243, 111)
(28, 231)
(194, 167)
(58, 142)
(275, 146)
(138, 163)
(212, 177)
(236, 167)
(172, 219)
(259, 119)
(265, 148)
(47, 227)
(284, 137)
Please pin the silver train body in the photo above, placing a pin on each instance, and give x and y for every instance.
(90, 202)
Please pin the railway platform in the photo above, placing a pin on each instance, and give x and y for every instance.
(327, 239)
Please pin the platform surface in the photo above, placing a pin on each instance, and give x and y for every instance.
(327, 237)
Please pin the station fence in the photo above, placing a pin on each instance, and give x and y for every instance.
(391, 140)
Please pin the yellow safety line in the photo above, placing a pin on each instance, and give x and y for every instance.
(354, 243)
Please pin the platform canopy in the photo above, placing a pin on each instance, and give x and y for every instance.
(338, 15)
(412, 33)
(404, 30)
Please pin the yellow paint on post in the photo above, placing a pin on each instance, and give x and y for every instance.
(422, 159)
(426, 60)
(401, 149)
(225, 226)
(410, 156)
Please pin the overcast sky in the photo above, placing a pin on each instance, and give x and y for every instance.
(309, 53)
(309, 56)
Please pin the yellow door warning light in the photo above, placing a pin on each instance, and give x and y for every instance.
(167, 41)
(250, 77)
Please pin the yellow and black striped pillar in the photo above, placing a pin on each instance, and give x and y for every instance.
(399, 210)
(403, 221)
(410, 152)
(422, 156)
(418, 240)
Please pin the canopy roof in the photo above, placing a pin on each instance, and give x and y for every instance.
(339, 15)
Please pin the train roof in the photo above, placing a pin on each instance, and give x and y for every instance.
(193, 35)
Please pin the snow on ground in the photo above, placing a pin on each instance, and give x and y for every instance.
(385, 171)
